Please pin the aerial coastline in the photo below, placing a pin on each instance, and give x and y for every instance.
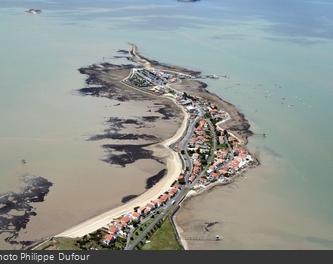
(208, 148)
(81, 137)
(76, 145)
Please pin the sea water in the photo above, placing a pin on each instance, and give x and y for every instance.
(277, 56)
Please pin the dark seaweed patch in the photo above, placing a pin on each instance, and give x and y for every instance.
(100, 88)
(209, 225)
(120, 136)
(128, 154)
(150, 118)
(127, 198)
(108, 91)
(93, 91)
(120, 57)
(117, 123)
(123, 51)
(151, 181)
(16, 209)
(166, 111)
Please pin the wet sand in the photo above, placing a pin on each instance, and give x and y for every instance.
(131, 146)
(174, 167)
(136, 123)
(250, 216)
(106, 80)
(91, 191)
(237, 124)
(17, 208)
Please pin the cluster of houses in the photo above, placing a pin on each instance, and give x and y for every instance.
(187, 102)
(216, 113)
(227, 161)
(191, 104)
(197, 166)
(139, 79)
(155, 81)
(162, 75)
(151, 77)
(199, 146)
(200, 139)
(122, 226)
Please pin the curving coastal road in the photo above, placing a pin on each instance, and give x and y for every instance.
(174, 165)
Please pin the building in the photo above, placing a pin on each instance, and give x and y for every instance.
(109, 239)
(125, 220)
(135, 217)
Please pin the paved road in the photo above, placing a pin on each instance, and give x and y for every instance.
(167, 210)
(213, 149)
(183, 146)
(170, 208)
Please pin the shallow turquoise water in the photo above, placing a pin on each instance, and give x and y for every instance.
(278, 55)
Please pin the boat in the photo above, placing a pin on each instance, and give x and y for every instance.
(34, 11)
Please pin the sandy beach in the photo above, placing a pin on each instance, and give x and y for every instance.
(174, 167)
(180, 233)
(101, 149)
(236, 123)
(132, 138)
(124, 147)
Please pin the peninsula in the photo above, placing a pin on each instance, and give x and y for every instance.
(208, 149)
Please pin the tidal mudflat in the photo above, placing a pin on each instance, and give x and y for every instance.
(126, 153)
(17, 208)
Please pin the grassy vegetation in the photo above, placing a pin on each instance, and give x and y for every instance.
(91, 241)
(63, 243)
(163, 239)
(59, 243)
(222, 146)
(88, 242)
(142, 227)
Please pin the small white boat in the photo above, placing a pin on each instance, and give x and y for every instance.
(34, 11)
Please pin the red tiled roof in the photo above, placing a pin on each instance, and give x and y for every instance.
(147, 210)
(164, 197)
(197, 163)
(192, 178)
(174, 189)
(141, 209)
(113, 229)
(109, 237)
(156, 202)
(178, 186)
(223, 171)
(125, 219)
(135, 214)
(215, 175)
